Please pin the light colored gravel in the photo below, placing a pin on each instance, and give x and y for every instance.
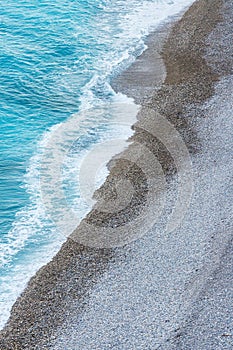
(166, 290)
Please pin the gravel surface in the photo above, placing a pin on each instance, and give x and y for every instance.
(166, 290)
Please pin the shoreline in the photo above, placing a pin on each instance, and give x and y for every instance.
(52, 294)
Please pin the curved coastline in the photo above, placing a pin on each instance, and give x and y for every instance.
(62, 287)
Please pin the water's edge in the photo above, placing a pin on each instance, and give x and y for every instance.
(63, 269)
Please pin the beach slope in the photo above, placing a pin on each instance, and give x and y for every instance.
(161, 291)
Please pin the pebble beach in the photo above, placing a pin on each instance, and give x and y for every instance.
(158, 289)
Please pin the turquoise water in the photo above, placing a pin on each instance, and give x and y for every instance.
(57, 60)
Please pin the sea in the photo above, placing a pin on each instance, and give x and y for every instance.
(57, 59)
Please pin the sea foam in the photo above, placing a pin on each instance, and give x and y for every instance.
(109, 36)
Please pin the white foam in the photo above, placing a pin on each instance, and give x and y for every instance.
(31, 224)
(33, 233)
(135, 20)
